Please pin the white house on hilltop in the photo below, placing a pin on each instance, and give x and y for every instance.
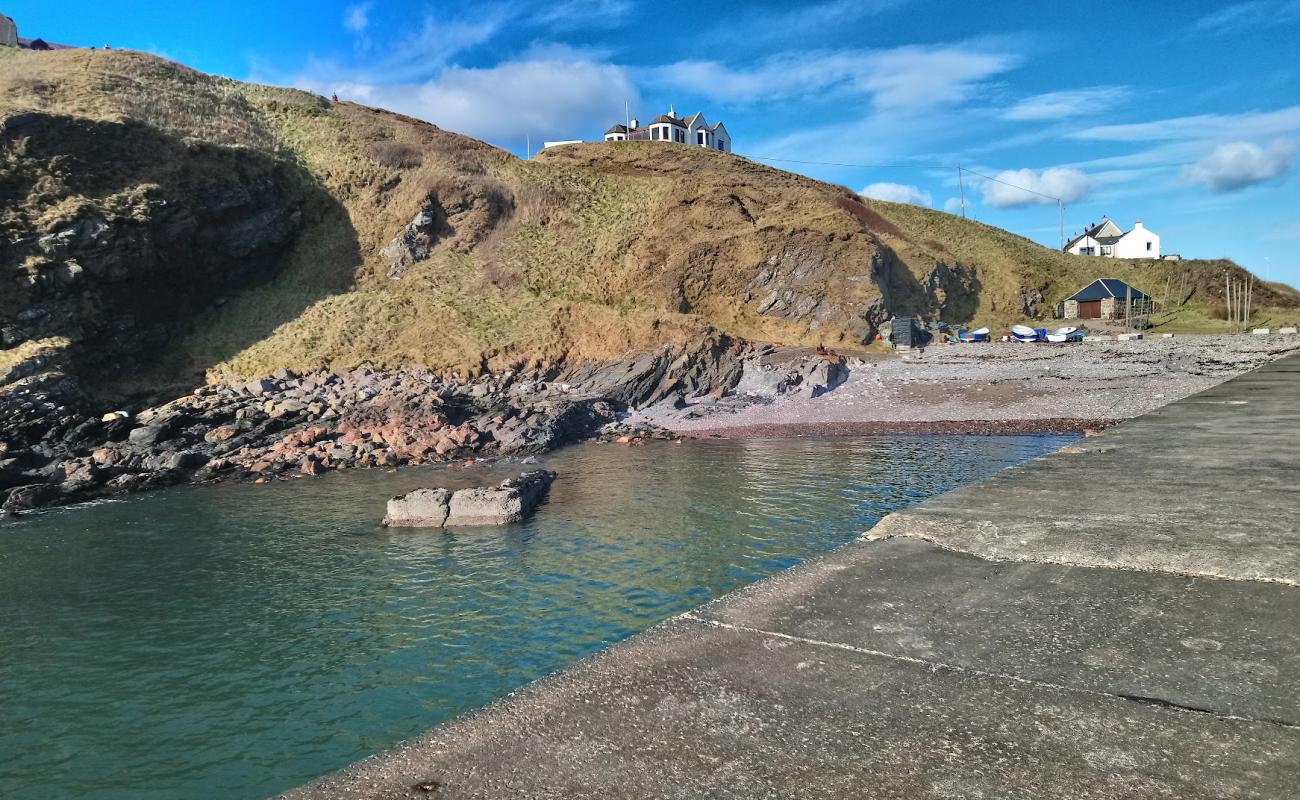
(693, 130)
(1106, 239)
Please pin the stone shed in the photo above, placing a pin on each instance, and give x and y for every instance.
(1104, 298)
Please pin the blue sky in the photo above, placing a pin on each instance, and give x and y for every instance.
(1188, 119)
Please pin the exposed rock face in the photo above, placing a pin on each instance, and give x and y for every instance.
(150, 231)
(812, 375)
(509, 502)
(462, 211)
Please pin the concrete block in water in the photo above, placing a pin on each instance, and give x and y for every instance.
(422, 508)
(1128, 337)
(1260, 332)
(508, 502)
(1287, 331)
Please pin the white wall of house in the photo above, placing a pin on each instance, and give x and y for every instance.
(1087, 246)
(1138, 243)
(721, 139)
(698, 133)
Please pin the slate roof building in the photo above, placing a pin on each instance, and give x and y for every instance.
(1105, 298)
(670, 127)
(1106, 239)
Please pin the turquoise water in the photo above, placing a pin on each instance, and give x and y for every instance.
(237, 640)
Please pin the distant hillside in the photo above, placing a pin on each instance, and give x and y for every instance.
(159, 223)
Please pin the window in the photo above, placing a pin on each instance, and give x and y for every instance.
(722, 145)
(1108, 249)
(679, 135)
(1148, 247)
(1087, 251)
(700, 137)
(654, 134)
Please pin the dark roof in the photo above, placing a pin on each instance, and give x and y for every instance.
(1091, 232)
(1107, 287)
(666, 118)
(616, 129)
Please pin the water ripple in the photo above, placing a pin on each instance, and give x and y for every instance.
(236, 640)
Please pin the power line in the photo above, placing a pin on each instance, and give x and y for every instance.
(1012, 185)
(863, 166)
(1060, 202)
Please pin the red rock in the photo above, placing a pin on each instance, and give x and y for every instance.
(106, 456)
(220, 434)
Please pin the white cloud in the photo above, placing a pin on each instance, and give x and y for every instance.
(564, 14)
(754, 31)
(1063, 104)
(912, 77)
(547, 99)
(1235, 166)
(1252, 14)
(1014, 188)
(897, 193)
(952, 205)
(900, 79)
(1253, 124)
(357, 18)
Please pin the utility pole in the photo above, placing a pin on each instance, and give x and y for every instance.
(1060, 209)
(961, 187)
(528, 147)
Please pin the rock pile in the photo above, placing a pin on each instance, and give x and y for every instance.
(510, 501)
(282, 426)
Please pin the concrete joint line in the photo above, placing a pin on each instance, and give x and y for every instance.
(937, 666)
(868, 536)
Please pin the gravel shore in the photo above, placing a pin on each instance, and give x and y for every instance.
(993, 387)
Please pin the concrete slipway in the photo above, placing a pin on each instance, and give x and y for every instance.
(1120, 619)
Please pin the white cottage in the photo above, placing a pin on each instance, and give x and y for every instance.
(1106, 239)
(669, 127)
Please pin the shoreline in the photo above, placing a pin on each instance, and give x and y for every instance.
(304, 425)
(969, 427)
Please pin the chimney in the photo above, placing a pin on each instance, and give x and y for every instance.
(636, 123)
(1137, 224)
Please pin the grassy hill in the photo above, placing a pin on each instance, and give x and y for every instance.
(162, 224)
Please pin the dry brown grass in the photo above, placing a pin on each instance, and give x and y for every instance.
(585, 252)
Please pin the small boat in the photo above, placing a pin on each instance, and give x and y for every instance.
(977, 335)
(1024, 333)
(1066, 334)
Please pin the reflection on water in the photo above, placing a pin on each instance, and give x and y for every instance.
(237, 640)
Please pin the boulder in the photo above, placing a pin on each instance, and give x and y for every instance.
(258, 387)
(25, 498)
(148, 435)
(422, 508)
